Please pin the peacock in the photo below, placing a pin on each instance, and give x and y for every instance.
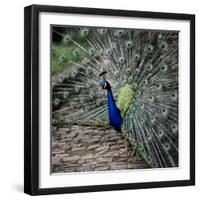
(123, 78)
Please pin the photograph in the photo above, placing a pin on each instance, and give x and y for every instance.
(109, 99)
(114, 99)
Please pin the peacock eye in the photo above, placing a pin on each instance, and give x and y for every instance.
(67, 39)
(104, 85)
(163, 46)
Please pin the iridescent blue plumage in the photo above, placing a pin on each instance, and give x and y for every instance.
(115, 117)
(114, 113)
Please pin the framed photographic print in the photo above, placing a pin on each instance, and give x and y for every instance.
(109, 100)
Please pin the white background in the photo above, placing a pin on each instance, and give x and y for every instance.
(11, 100)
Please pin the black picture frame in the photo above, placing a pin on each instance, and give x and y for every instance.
(31, 98)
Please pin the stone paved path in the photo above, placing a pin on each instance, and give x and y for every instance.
(80, 149)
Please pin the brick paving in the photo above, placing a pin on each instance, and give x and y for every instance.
(81, 149)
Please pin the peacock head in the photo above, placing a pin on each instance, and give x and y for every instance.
(104, 83)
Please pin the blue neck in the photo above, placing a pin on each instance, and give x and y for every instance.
(110, 98)
(114, 113)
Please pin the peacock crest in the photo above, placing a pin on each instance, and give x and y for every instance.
(142, 70)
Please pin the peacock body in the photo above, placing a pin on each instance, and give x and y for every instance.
(141, 96)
